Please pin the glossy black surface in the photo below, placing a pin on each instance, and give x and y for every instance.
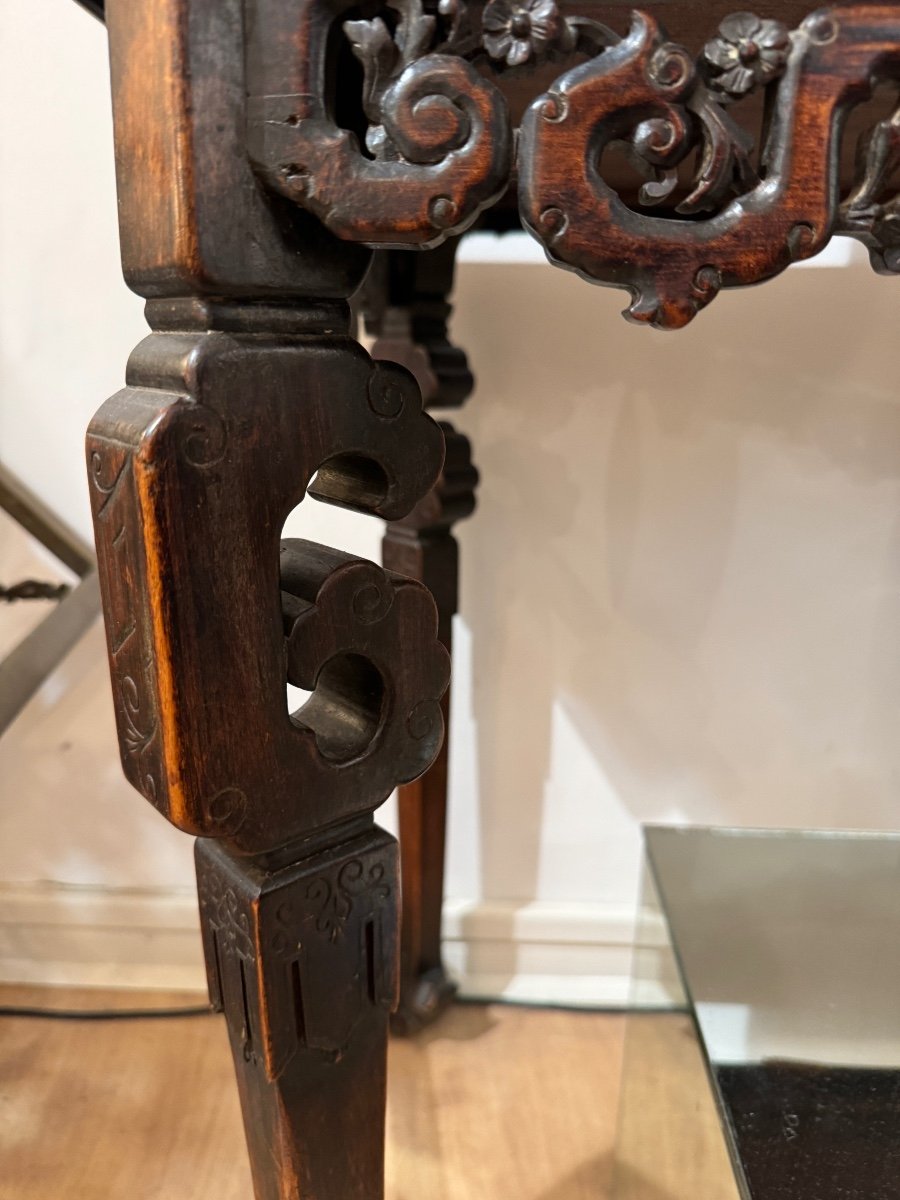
(789, 951)
(821, 1132)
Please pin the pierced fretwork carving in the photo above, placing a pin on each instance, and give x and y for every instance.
(872, 211)
(348, 625)
(649, 88)
(437, 139)
(500, 35)
(179, 439)
(249, 395)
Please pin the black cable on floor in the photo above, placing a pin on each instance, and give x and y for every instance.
(105, 1014)
(205, 1010)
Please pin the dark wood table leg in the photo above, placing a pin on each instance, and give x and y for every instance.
(251, 185)
(248, 394)
(406, 306)
(423, 547)
(302, 958)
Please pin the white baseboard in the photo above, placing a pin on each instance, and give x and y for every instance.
(537, 953)
(85, 936)
(552, 953)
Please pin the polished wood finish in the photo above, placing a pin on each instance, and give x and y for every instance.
(196, 433)
(439, 132)
(437, 135)
(406, 307)
(264, 149)
(423, 547)
(405, 301)
(248, 395)
(301, 960)
(758, 218)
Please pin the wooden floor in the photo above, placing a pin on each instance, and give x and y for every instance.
(494, 1103)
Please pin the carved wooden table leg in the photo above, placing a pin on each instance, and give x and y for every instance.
(248, 393)
(423, 547)
(248, 209)
(406, 306)
(302, 960)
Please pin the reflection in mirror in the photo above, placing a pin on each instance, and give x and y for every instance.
(789, 1056)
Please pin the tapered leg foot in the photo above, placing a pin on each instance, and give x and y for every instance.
(303, 962)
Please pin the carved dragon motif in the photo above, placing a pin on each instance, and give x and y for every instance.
(649, 87)
(439, 143)
(438, 146)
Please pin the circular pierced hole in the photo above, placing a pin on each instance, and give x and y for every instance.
(346, 709)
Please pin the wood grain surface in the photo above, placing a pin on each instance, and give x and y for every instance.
(492, 1102)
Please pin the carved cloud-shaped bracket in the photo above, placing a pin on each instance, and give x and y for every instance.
(350, 627)
(181, 455)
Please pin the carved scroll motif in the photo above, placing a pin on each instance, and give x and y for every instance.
(250, 398)
(870, 213)
(438, 141)
(438, 147)
(649, 90)
(116, 530)
(348, 623)
(334, 897)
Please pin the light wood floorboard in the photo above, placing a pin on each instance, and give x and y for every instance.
(494, 1103)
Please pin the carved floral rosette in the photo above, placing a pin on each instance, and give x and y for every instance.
(712, 208)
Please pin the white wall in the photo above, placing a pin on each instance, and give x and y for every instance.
(680, 595)
(681, 589)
